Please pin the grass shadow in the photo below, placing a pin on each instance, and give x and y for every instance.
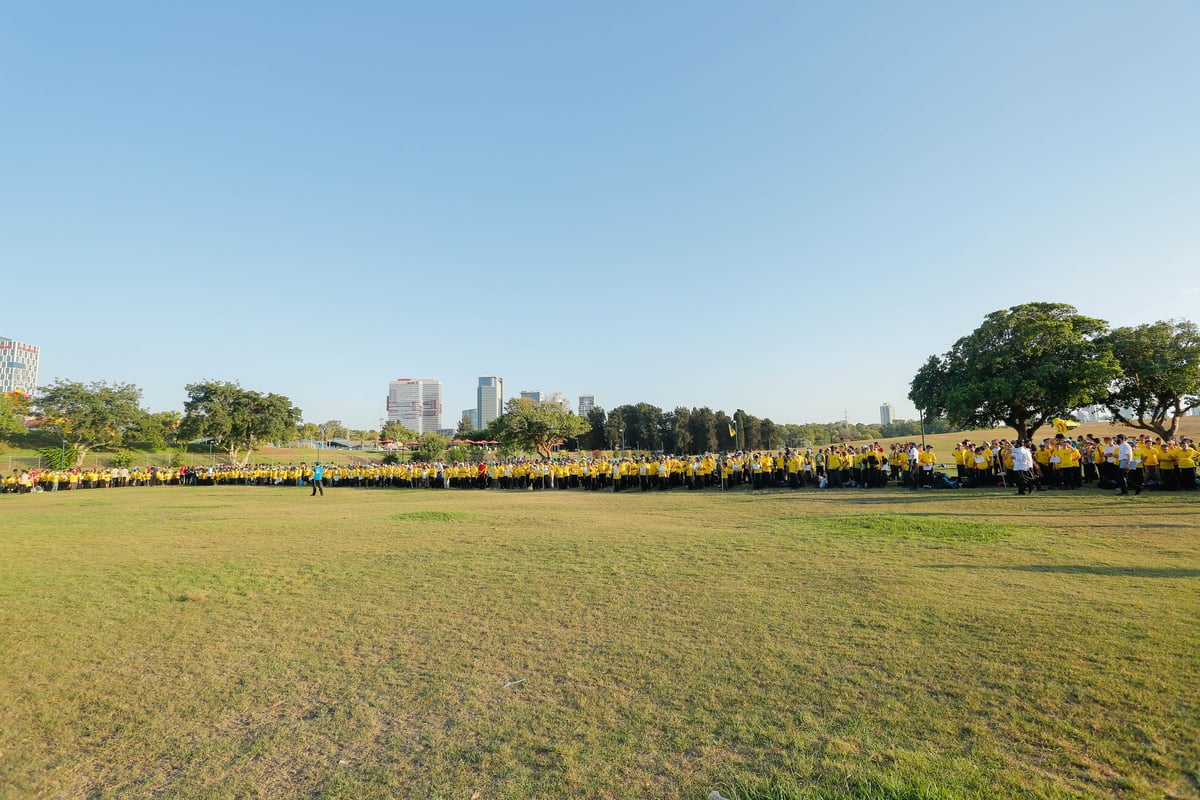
(1083, 569)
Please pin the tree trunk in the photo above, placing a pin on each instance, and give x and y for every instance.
(1165, 425)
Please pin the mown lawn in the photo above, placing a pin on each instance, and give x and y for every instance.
(255, 642)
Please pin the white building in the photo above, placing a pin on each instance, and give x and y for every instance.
(489, 401)
(887, 414)
(18, 366)
(416, 403)
(1093, 414)
(557, 400)
(586, 403)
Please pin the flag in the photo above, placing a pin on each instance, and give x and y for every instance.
(1064, 425)
(732, 431)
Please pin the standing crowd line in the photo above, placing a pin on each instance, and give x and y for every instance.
(1058, 463)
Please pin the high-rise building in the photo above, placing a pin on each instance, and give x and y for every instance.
(471, 415)
(557, 400)
(586, 403)
(887, 414)
(536, 397)
(18, 366)
(489, 401)
(416, 403)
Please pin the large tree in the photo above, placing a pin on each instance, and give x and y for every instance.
(678, 438)
(529, 425)
(1160, 375)
(595, 439)
(237, 419)
(1022, 366)
(397, 433)
(432, 446)
(13, 407)
(702, 430)
(91, 416)
(614, 429)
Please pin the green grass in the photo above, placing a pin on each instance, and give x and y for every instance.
(257, 642)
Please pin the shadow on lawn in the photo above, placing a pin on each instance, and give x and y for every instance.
(1080, 569)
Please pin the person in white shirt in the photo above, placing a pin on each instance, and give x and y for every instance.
(1125, 465)
(1022, 458)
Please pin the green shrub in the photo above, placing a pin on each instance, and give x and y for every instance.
(124, 458)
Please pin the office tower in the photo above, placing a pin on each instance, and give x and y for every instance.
(416, 403)
(489, 401)
(586, 403)
(534, 396)
(887, 414)
(18, 366)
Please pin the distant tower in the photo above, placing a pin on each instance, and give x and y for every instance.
(887, 414)
(416, 403)
(489, 401)
(536, 397)
(586, 403)
(18, 366)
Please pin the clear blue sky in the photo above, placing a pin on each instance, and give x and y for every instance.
(777, 206)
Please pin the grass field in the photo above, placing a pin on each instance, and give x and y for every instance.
(245, 642)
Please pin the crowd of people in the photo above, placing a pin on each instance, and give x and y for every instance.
(1058, 463)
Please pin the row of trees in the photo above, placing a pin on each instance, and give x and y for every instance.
(1028, 364)
(103, 416)
(642, 426)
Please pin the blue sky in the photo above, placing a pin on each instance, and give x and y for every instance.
(775, 206)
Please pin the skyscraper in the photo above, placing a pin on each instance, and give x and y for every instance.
(18, 366)
(536, 397)
(416, 403)
(586, 403)
(887, 413)
(489, 400)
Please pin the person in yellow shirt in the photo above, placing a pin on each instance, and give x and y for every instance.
(927, 461)
(1186, 464)
(1168, 461)
(833, 468)
(964, 462)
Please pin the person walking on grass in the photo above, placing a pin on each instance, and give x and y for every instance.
(318, 480)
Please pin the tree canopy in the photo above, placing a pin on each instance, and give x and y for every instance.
(529, 425)
(1160, 375)
(91, 416)
(432, 446)
(1023, 366)
(397, 433)
(13, 406)
(237, 419)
